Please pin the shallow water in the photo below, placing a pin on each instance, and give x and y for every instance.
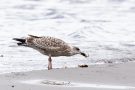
(102, 28)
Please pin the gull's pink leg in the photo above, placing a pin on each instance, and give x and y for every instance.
(49, 63)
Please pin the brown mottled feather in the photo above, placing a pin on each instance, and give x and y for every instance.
(34, 36)
(48, 45)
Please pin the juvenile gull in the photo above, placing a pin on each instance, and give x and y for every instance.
(49, 46)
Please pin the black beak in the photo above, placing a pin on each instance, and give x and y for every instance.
(83, 54)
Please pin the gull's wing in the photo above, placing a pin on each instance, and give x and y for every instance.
(48, 43)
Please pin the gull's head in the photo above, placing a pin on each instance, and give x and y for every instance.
(76, 50)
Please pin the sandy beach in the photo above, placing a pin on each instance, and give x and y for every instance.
(95, 77)
(103, 29)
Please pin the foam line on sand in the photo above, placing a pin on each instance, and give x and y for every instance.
(95, 77)
(73, 84)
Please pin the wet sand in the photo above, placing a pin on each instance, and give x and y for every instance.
(95, 77)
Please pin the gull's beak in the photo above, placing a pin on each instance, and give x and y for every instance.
(83, 54)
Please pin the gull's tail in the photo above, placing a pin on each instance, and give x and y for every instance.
(21, 42)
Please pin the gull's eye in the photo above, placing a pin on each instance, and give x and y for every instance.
(77, 48)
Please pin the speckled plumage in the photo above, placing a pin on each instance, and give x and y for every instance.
(49, 45)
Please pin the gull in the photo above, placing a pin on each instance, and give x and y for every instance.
(50, 46)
